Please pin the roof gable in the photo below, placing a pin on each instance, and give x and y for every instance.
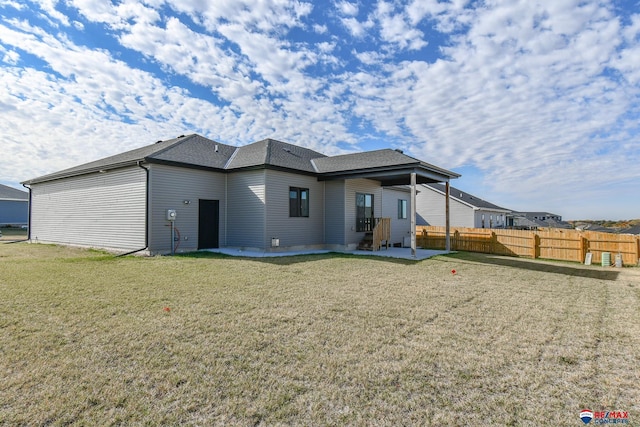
(10, 193)
(466, 198)
(194, 150)
(122, 159)
(275, 153)
(365, 160)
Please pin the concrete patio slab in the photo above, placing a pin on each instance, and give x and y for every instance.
(402, 253)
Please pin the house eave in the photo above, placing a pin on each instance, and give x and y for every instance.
(271, 167)
(88, 171)
(390, 176)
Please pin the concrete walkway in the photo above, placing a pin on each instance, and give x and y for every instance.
(403, 253)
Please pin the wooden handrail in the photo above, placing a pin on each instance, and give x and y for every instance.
(381, 232)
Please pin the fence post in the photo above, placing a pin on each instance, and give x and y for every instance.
(494, 243)
(536, 244)
(583, 248)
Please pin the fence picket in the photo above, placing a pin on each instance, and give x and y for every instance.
(559, 244)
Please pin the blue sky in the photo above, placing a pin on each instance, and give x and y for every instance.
(535, 103)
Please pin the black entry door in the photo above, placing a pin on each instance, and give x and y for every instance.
(208, 223)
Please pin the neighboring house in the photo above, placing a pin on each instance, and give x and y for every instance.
(535, 220)
(588, 226)
(631, 230)
(14, 206)
(466, 210)
(265, 196)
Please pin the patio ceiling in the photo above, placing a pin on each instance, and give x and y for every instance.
(397, 175)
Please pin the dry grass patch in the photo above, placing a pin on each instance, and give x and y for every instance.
(313, 340)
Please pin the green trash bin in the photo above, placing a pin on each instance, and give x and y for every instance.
(606, 259)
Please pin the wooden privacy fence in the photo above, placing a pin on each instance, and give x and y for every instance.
(559, 244)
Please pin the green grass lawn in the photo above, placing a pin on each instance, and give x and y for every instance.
(89, 339)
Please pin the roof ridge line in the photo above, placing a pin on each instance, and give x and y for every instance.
(226, 165)
(267, 156)
(178, 140)
(313, 163)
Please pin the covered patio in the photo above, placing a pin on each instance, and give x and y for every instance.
(390, 168)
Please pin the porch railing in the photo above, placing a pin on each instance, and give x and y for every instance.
(381, 233)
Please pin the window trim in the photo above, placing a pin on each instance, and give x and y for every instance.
(402, 208)
(301, 207)
(364, 223)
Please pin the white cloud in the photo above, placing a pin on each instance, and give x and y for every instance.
(10, 56)
(49, 7)
(520, 103)
(356, 28)
(346, 8)
(522, 91)
(320, 29)
(370, 58)
(13, 4)
(395, 29)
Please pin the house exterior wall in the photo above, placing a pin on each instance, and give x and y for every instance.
(104, 210)
(334, 213)
(246, 212)
(293, 231)
(353, 186)
(400, 228)
(489, 219)
(169, 187)
(431, 210)
(14, 212)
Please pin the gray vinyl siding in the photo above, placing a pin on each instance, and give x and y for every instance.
(293, 231)
(14, 212)
(353, 186)
(169, 187)
(399, 227)
(104, 210)
(246, 209)
(334, 212)
(431, 209)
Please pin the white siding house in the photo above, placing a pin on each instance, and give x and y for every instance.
(14, 206)
(465, 210)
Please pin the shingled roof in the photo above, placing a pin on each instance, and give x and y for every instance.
(274, 153)
(196, 151)
(10, 193)
(193, 150)
(467, 198)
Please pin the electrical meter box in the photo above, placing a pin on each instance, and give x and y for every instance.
(171, 214)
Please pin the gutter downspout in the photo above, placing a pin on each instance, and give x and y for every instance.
(146, 214)
(29, 216)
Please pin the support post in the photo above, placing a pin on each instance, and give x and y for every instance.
(447, 238)
(413, 214)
